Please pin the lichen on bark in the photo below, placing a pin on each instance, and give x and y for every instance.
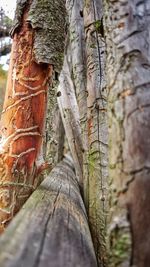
(48, 19)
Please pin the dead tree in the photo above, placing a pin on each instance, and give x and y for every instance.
(35, 51)
(51, 229)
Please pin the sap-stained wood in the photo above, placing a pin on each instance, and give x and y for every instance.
(51, 229)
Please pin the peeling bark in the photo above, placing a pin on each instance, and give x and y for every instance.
(23, 116)
(21, 124)
(128, 69)
(48, 19)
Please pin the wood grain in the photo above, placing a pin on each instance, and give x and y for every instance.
(51, 229)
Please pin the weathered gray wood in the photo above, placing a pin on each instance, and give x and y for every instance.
(51, 229)
(127, 29)
(96, 179)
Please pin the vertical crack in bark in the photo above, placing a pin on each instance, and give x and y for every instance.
(97, 129)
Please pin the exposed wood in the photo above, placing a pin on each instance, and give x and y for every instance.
(21, 124)
(23, 116)
(47, 18)
(51, 229)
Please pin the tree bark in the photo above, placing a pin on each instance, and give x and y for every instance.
(23, 115)
(83, 104)
(128, 71)
(77, 56)
(77, 67)
(70, 115)
(55, 133)
(54, 230)
(95, 185)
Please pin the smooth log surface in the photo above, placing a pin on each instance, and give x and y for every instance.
(51, 229)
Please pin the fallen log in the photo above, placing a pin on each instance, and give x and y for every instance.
(51, 229)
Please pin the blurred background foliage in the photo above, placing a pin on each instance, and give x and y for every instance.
(5, 47)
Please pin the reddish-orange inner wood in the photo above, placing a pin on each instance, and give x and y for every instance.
(22, 124)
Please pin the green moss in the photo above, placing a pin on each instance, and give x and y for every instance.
(91, 161)
(93, 46)
(97, 24)
(72, 35)
(99, 27)
(120, 250)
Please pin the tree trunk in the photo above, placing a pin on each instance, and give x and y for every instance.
(23, 115)
(128, 71)
(77, 56)
(54, 230)
(70, 115)
(95, 186)
(85, 108)
(55, 133)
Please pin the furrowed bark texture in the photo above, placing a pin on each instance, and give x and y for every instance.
(77, 46)
(95, 186)
(78, 68)
(128, 72)
(90, 154)
(73, 81)
(23, 116)
(55, 133)
(54, 230)
(70, 115)
(47, 17)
